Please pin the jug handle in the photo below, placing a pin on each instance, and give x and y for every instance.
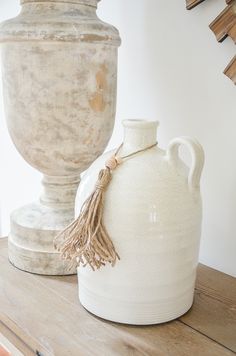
(197, 155)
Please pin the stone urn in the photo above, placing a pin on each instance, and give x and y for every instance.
(59, 65)
(152, 213)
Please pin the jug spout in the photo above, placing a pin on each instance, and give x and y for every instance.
(139, 134)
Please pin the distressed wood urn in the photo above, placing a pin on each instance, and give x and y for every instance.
(59, 65)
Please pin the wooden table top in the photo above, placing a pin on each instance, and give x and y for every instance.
(43, 313)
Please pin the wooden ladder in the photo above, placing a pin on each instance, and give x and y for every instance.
(223, 26)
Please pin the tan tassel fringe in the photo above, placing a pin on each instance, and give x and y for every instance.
(86, 240)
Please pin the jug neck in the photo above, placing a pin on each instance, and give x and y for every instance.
(139, 134)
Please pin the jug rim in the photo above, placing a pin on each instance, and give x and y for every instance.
(140, 123)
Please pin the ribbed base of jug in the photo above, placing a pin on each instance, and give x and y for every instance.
(135, 313)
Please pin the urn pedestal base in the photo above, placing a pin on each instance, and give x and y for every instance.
(30, 242)
(34, 227)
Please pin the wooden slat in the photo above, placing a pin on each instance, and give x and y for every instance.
(224, 21)
(230, 70)
(232, 32)
(21, 340)
(214, 309)
(190, 4)
(221, 285)
(48, 309)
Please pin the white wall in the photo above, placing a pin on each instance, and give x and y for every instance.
(18, 181)
(170, 69)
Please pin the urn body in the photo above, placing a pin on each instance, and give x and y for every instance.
(152, 212)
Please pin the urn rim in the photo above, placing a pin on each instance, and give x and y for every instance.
(82, 2)
(30, 25)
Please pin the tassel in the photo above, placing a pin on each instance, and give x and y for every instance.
(86, 240)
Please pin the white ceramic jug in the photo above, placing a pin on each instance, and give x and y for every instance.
(153, 212)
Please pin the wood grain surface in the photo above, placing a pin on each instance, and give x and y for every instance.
(224, 22)
(48, 311)
(232, 31)
(230, 70)
(190, 4)
(16, 340)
